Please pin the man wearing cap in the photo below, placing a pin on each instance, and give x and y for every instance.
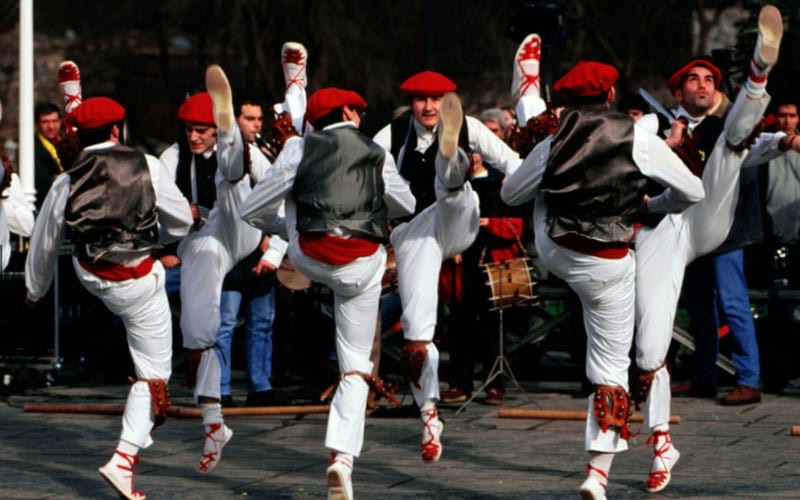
(588, 182)
(445, 224)
(664, 248)
(208, 253)
(118, 205)
(339, 188)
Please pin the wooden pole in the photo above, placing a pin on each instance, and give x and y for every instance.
(178, 411)
(795, 430)
(563, 415)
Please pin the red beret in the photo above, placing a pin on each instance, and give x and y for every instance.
(586, 79)
(675, 82)
(96, 112)
(326, 100)
(198, 108)
(427, 83)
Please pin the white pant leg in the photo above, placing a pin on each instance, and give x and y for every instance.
(356, 288)
(606, 290)
(656, 408)
(204, 263)
(209, 376)
(661, 257)
(439, 232)
(710, 219)
(143, 307)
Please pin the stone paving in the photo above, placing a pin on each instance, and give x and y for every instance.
(741, 452)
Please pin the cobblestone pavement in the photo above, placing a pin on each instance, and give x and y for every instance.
(744, 452)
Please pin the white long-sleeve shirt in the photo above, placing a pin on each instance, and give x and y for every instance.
(232, 192)
(174, 222)
(261, 208)
(494, 151)
(650, 154)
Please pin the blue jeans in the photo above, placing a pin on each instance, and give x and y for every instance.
(723, 273)
(259, 318)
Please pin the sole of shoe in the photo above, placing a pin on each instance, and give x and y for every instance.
(337, 485)
(220, 90)
(214, 464)
(518, 88)
(663, 485)
(450, 117)
(770, 28)
(109, 478)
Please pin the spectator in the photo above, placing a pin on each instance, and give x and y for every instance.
(47, 122)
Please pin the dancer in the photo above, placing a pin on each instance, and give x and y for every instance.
(339, 188)
(118, 204)
(588, 183)
(445, 223)
(663, 251)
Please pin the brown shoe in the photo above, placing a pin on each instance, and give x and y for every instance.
(741, 395)
(494, 397)
(454, 395)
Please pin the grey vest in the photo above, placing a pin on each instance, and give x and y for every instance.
(111, 202)
(591, 185)
(339, 183)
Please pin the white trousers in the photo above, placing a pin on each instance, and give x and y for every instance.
(663, 252)
(442, 230)
(143, 307)
(356, 290)
(605, 287)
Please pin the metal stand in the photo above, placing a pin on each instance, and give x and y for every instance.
(501, 366)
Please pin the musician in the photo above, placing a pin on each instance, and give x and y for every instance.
(446, 223)
(663, 251)
(118, 204)
(340, 188)
(588, 184)
(251, 284)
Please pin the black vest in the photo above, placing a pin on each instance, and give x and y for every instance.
(339, 183)
(591, 185)
(418, 168)
(204, 168)
(111, 202)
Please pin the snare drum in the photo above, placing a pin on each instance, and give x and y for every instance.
(511, 283)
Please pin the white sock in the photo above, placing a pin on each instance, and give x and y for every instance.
(600, 462)
(127, 448)
(427, 406)
(212, 413)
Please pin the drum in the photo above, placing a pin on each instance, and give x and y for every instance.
(511, 283)
(389, 281)
(291, 278)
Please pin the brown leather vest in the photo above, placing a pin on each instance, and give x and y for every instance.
(592, 187)
(111, 202)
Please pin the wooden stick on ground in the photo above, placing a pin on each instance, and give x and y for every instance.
(177, 411)
(795, 431)
(563, 415)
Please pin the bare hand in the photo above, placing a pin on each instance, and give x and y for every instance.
(678, 130)
(643, 208)
(170, 261)
(483, 221)
(195, 211)
(264, 244)
(263, 267)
